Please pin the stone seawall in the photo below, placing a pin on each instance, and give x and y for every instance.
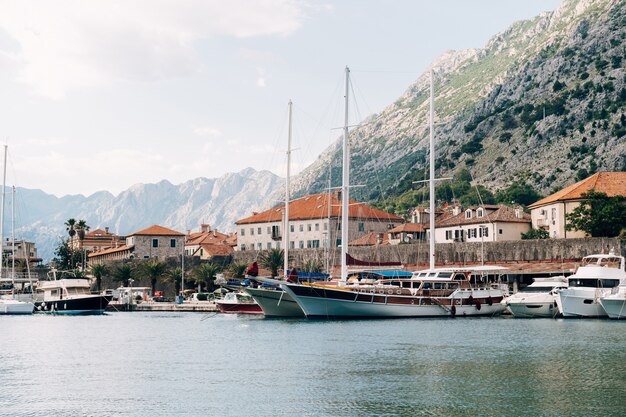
(553, 250)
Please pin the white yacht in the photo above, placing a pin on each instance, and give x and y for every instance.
(538, 299)
(593, 280)
(614, 304)
(11, 306)
(69, 296)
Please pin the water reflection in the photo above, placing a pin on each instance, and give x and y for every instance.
(138, 364)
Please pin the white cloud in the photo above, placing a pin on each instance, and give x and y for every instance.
(67, 45)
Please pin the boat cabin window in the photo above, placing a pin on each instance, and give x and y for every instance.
(593, 283)
(439, 285)
(432, 274)
(427, 286)
(453, 285)
(445, 274)
(406, 284)
(459, 277)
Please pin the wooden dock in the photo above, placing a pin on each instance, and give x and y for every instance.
(199, 306)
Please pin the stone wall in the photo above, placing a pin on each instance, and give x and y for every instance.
(494, 252)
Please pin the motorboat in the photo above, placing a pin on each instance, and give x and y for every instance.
(443, 292)
(593, 280)
(614, 304)
(538, 299)
(238, 303)
(69, 296)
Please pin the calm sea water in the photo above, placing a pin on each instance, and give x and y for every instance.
(158, 364)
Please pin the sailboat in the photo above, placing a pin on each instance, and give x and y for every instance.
(9, 304)
(431, 293)
(272, 299)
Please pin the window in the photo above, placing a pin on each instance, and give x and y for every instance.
(308, 227)
(277, 245)
(479, 212)
(338, 242)
(308, 244)
(500, 231)
(259, 246)
(292, 228)
(258, 231)
(554, 214)
(301, 244)
(243, 246)
(269, 230)
(172, 243)
(201, 252)
(155, 243)
(302, 228)
(317, 227)
(325, 226)
(361, 227)
(483, 231)
(471, 233)
(243, 232)
(292, 245)
(275, 230)
(468, 214)
(448, 234)
(269, 245)
(315, 243)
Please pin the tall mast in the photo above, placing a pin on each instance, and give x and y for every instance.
(287, 196)
(345, 186)
(432, 171)
(13, 232)
(4, 181)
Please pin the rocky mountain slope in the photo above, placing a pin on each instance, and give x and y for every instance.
(218, 202)
(542, 102)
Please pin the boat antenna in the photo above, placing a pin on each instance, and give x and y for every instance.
(345, 186)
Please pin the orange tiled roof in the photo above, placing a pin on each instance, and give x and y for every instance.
(212, 237)
(157, 231)
(217, 250)
(111, 250)
(408, 228)
(611, 183)
(98, 233)
(231, 240)
(503, 214)
(370, 239)
(315, 206)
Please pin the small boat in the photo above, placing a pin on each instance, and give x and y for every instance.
(11, 306)
(593, 280)
(238, 303)
(69, 296)
(275, 302)
(614, 304)
(538, 299)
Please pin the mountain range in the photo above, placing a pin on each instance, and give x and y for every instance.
(218, 202)
(542, 103)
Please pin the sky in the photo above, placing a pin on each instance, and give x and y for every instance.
(100, 95)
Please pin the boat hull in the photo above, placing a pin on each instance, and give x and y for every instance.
(323, 302)
(581, 302)
(275, 303)
(92, 305)
(239, 308)
(615, 307)
(16, 307)
(532, 305)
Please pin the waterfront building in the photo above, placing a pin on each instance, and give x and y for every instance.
(486, 223)
(207, 244)
(24, 250)
(314, 222)
(96, 240)
(549, 213)
(153, 242)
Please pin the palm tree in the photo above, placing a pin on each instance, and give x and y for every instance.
(272, 259)
(153, 269)
(238, 269)
(98, 270)
(312, 265)
(81, 227)
(70, 225)
(205, 273)
(175, 276)
(123, 274)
